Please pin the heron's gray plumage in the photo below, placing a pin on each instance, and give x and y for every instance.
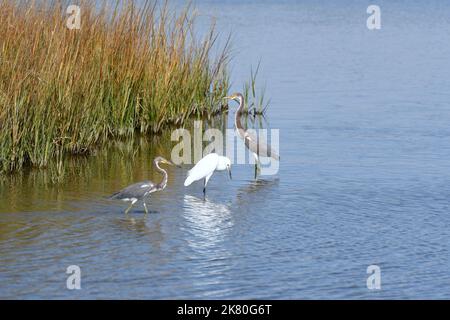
(252, 141)
(141, 190)
(137, 191)
(259, 147)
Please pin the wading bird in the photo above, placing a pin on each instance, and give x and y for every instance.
(205, 168)
(141, 190)
(258, 148)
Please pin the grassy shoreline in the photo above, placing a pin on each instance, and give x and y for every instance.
(137, 69)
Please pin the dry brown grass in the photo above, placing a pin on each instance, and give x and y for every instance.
(128, 69)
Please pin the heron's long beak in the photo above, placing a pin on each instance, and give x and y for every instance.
(176, 165)
(229, 173)
(172, 163)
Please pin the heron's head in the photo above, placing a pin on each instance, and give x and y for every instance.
(163, 160)
(236, 97)
(224, 164)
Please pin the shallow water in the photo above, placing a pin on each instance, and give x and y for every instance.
(363, 118)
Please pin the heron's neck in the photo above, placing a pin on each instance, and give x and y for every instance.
(237, 118)
(163, 182)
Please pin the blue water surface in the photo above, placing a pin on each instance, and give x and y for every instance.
(364, 175)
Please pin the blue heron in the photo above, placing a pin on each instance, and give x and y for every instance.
(258, 147)
(141, 190)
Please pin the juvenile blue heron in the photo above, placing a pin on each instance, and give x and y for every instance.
(141, 190)
(258, 147)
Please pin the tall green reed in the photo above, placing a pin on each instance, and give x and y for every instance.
(129, 69)
(254, 101)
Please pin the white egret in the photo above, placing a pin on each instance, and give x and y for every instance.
(205, 168)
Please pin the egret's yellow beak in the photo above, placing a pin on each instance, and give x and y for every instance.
(230, 98)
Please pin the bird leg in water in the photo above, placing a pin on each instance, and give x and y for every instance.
(257, 169)
(145, 208)
(204, 188)
(257, 165)
(128, 209)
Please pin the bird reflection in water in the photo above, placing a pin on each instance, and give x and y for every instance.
(208, 222)
(255, 188)
(143, 227)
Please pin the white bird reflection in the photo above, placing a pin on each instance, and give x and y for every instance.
(208, 222)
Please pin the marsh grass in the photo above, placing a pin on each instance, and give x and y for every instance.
(116, 164)
(254, 100)
(129, 70)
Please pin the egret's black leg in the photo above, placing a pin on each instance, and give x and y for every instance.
(256, 169)
(204, 188)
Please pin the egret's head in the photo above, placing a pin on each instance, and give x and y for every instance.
(224, 164)
(162, 160)
(236, 97)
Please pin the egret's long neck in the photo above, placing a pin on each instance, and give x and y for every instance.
(163, 182)
(237, 118)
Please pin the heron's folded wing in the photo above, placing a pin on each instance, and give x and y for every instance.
(259, 146)
(136, 190)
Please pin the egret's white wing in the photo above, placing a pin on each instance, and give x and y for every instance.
(203, 168)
